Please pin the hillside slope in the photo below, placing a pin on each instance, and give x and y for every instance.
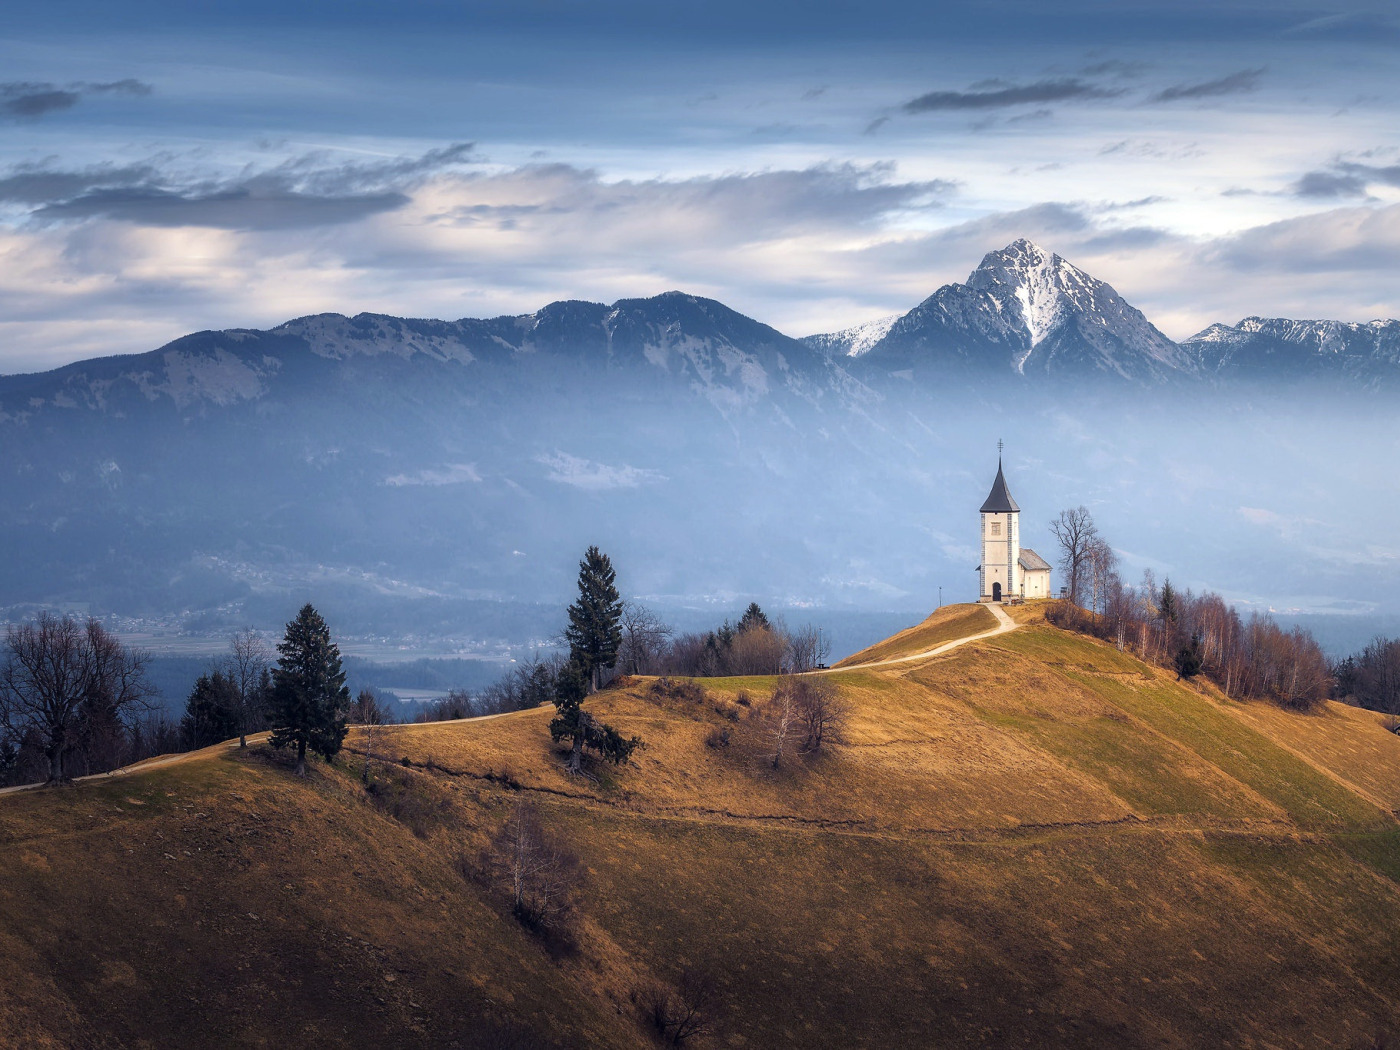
(1031, 840)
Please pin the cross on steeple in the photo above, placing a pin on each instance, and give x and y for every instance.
(1000, 446)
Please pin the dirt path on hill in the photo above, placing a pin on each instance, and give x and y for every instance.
(161, 761)
(1006, 624)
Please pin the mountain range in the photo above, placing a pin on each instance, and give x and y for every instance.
(426, 464)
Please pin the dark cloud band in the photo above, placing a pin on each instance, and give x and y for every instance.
(31, 99)
(1234, 84)
(1038, 93)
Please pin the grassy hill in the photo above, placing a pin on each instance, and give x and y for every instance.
(1031, 840)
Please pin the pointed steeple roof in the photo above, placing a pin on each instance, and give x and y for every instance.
(999, 500)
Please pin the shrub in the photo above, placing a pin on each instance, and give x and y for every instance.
(405, 799)
(682, 690)
(680, 1013)
(718, 738)
(540, 875)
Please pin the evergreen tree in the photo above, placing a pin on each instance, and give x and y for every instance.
(309, 699)
(1167, 606)
(594, 633)
(211, 712)
(753, 617)
(575, 724)
(1188, 659)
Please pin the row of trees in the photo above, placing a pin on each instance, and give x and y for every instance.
(1195, 634)
(71, 697)
(74, 700)
(1371, 677)
(530, 683)
(755, 645)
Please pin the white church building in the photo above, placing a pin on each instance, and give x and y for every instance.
(1008, 570)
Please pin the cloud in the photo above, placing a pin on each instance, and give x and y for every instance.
(1114, 67)
(1233, 84)
(1362, 26)
(1329, 184)
(451, 474)
(555, 200)
(34, 99)
(595, 477)
(314, 189)
(1346, 179)
(1063, 90)
(240, 208)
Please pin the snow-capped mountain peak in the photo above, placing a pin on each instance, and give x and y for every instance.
(1031, 309)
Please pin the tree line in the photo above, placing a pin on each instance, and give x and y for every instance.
(755, 645)
(75, 701)
(1248, 658)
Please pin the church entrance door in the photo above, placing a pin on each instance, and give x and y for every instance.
(996, 592)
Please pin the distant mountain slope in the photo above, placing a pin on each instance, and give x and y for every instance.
(1034, 841)
(1029, 312)
(676, 339)
(1278, 348)
(854, 341)
(418, 460)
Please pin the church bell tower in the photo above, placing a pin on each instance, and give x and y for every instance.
(999, 575)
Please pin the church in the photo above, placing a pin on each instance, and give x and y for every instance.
(1009, 572)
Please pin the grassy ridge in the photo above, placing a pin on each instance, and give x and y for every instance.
(1033, 840)
(945, 625)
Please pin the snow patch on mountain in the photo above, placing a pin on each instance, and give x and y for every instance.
(337, 337)
(853, 341)
(1281, 346)
(218, 376)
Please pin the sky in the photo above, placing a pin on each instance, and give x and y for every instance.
(167, 168)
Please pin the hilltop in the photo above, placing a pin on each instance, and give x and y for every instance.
(1031, 839)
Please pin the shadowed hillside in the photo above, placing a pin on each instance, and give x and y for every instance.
(1030, 840)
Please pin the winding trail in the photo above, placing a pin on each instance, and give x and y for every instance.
(1006, 624)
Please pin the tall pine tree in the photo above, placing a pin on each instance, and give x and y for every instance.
(754, 617)
(309, 699)
(594, 633)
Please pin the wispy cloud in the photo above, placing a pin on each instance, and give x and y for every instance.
(990, 97)
(433, 477)
(314, 189)
(596, 477)
(1234, 84)
(34, 99)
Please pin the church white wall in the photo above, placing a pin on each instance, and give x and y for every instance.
(1000, 552)
(1037, 583)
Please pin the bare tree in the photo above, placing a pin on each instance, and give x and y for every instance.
(368, 710)
(807, 649)
(822, 710)
(58, 673)
(249, 665)
(682, 1013)
(1074, 531)
(758, 650)
(783, 718)
(643, 638)
(1102, 566)
(542, 877)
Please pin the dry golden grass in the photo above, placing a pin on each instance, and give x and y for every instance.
(945, 625)
(1033, 840)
